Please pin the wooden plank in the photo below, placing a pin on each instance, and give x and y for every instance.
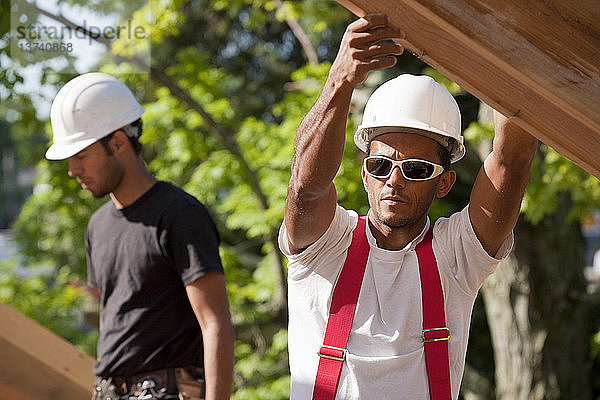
(7, 392)
(37, 364)
(536, 60)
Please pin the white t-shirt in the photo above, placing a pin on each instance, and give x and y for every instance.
(385, 355)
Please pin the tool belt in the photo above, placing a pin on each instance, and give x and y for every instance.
(163, 384)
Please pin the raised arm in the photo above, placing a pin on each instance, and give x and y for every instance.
(500, 185)
(319, 145)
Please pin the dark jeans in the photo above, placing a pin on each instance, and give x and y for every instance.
(185, 383)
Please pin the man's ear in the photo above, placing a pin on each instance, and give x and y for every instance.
(447, 180)
(363, 174)
(119, 141)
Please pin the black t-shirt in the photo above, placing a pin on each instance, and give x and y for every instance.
(141, 258)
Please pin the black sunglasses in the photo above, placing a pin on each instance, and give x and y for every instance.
(412, 169)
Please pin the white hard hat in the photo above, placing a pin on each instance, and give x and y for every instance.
(88, 108)
(413, 104)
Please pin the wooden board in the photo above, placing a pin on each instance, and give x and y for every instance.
(536, 60)
(35, 364)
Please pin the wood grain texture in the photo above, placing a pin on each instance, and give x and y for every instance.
(538, 61)
(38, 365)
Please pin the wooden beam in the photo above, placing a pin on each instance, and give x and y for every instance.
(538, 61)
(35, 364)
(7, 392)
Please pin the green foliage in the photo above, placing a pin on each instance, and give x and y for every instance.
(595, 357)
(261, 371)
(595, 347)
(53, 300)
(553, 174)
(50, 229)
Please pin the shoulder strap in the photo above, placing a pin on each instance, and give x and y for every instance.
(343, 304)
(435, 332)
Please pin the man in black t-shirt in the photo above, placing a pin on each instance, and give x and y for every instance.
(153, 251)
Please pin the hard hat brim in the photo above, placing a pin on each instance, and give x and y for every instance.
(364, 135)
(63, 151)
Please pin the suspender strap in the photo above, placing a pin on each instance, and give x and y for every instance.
(435, 332)
(343, 304)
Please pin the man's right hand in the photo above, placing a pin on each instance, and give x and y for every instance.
(369, 43)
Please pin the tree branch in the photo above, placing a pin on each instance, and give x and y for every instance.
(301, 35)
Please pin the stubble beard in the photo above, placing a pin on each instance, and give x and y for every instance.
(113, 176)
(395, 222)
(416, 213)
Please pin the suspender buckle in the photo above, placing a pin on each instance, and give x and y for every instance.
(332, 353)
(436, 334)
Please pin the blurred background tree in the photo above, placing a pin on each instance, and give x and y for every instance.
(228, 84)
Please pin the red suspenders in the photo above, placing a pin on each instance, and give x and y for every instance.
(435, 332)
(343, 305)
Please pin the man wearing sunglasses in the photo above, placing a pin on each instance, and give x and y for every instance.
(383, 348)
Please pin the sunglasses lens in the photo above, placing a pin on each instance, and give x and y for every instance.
(417, 169)
(378, 166)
